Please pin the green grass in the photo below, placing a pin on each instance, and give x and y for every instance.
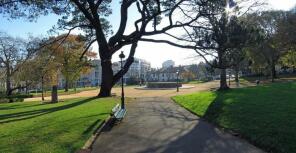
(264, 115)
(195, 82)
(62, 91)
(59, 128)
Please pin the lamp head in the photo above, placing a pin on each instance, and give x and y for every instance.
(121, 55)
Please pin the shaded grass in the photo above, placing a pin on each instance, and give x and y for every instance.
(265, 115)
(60, 127)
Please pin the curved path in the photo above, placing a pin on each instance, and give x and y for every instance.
(158, 125)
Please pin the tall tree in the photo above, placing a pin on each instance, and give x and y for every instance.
(218, 34)
(226, 34)
(14, 52)
(270, 49)
(286, 36)
(91, 17)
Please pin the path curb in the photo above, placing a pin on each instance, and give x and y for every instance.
(88, 144)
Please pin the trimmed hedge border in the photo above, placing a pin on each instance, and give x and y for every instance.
(163, 85)
(14, 98)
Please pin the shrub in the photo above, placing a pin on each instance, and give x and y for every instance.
(11, 100)
(14, 98)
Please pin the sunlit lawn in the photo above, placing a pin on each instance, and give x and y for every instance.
(265, 115)
(62, 91)
(55, 128)
(195, 82)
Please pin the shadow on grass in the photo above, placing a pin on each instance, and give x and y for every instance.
(94, 125)
(7, 118)
(162, 127)
(18, 106)
(258, 114)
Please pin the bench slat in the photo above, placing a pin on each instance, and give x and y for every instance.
(116, 108)
(117, 112)
(120, 114)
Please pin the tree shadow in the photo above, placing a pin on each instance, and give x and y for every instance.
(18, 106)
(199, 137)
(202, 138)
(109, 125)
(7, 118)
(94, 124)
(156, 126)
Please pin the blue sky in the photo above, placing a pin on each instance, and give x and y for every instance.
(21, 27)
(155, 53)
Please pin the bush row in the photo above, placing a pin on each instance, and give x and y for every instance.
(14, 98)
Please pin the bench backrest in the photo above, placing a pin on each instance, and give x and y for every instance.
(116, 108)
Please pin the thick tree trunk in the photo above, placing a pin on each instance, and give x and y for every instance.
(107, 78)
(26, 89)
(66, 85)
(75, 84)
(223, 80)
(42, 88)
(236, 77)
(54, 94)
(8, 86)
(273, 72)
(236, 74)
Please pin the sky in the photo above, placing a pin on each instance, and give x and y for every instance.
(154, 53)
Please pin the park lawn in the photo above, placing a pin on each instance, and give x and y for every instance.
(62, 91)
(60, 128)
(194, 82)
(264, 115)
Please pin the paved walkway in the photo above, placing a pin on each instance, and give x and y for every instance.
(155, 125)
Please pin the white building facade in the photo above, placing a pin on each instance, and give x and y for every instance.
(167, 64)
(93, 78)
(165, 75)
(137, 72)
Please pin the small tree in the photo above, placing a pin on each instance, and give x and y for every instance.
(289, 59)
(188, 76)
(68, 56)
(14, 53)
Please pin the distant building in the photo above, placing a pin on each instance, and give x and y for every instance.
(137, 72)
(139, 69)
(168, 74)
(168, 63)
(93, 78)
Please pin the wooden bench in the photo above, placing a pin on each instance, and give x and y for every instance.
(118, 113)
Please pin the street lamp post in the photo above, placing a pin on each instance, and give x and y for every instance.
(122, 56)
(177, 81)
